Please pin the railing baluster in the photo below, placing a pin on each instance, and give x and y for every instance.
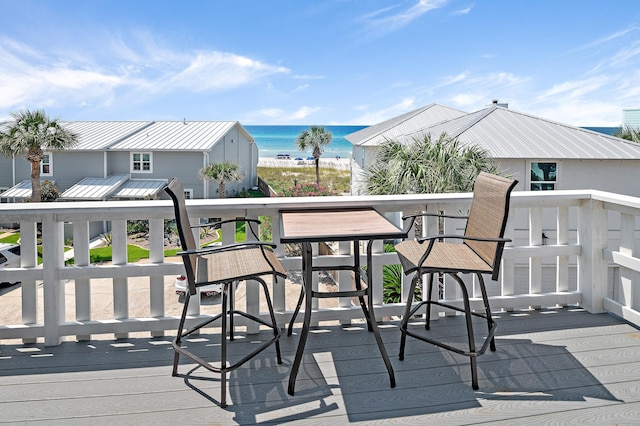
(29, 259)
(535, 262)
(590, 250)
(156, 282)
(562, 262)
(120, 285)
(82, 285)
(53, 288)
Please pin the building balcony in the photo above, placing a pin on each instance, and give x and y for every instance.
(91, 342)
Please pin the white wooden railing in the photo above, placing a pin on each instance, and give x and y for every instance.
(587, 258)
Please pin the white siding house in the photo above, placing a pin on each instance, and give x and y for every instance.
(133, 159)
(365, 142)
(542, 154)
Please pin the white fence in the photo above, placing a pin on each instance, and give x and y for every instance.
(570, 247)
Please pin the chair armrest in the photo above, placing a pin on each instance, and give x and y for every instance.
(412, 218)
(214, 249)
(463, 237)
(220, 222)
(433, 239)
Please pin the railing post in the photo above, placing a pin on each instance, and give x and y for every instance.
(627, 245)
(279, 291)
(344, 279)
(54, 302)
(252, 293)
(508, 277)
(535, 263)
(562, 262)
(120, 285)
(156, 282)
(29, 259)
(83, 286)
(592, 266)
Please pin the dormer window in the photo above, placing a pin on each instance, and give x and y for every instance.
(141, 162)
(544, 176)
(46, 164)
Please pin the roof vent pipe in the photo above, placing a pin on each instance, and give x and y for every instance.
(497, 103)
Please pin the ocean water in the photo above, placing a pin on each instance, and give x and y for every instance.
(274, 140)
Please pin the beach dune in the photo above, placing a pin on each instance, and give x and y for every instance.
(333, 163)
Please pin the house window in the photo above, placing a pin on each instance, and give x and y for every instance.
(141, 162)
(544, 176)
(46, 165)
(188, 194)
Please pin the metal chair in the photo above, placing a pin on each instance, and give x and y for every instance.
(479, 252)
(224, 265)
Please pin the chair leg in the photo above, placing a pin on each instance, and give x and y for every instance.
(232, 307)
(276, 330)
(427, 322)
(178, 340)
(407, 312)
(487, 308)
(223, 348)
(470, 335)
(296, 311)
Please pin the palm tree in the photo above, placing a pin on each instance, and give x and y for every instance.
(222, 173)
(314, 139)
(424, 166)
(29, 135)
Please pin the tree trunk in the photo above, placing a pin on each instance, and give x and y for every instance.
(222, 190)
(36, 189)
(317, 171)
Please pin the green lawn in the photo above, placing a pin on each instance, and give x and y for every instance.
(134, 253)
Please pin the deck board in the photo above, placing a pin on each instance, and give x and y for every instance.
(552, 366)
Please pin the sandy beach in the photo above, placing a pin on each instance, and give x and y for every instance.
(334, 163)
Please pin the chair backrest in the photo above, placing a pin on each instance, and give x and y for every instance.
(176, 192)
(488, 216)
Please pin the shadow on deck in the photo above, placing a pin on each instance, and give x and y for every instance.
(554, 365)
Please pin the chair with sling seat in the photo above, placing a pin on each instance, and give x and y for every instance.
(225, 265)
(478, 251)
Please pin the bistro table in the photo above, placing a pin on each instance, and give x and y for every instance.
(345, 224)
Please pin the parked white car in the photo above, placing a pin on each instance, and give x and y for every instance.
(9, 256)
(207, 290)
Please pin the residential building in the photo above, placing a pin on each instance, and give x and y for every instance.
(631, 118)
(542, 154)
(119, 160)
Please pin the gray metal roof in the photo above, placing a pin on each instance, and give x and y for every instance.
(506, 133)
(177, 135)
(98, 135)
(94, 189)
(140, 188)
(403, 124)
(20, 190)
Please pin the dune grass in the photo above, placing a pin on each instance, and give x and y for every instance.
(282, 178)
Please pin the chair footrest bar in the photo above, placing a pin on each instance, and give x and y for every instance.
(345, 293)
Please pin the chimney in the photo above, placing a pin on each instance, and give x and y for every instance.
(497, 103)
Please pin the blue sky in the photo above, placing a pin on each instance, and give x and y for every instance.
(318, 62)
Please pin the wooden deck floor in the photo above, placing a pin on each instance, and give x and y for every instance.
(561, 366)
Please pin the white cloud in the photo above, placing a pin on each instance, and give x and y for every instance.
(464, 11)
(43, 78)
(373, 117)
(384, 21)
(308, 77)
(303, 112)
(214, 71)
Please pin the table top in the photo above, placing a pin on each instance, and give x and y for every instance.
(336, 224)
